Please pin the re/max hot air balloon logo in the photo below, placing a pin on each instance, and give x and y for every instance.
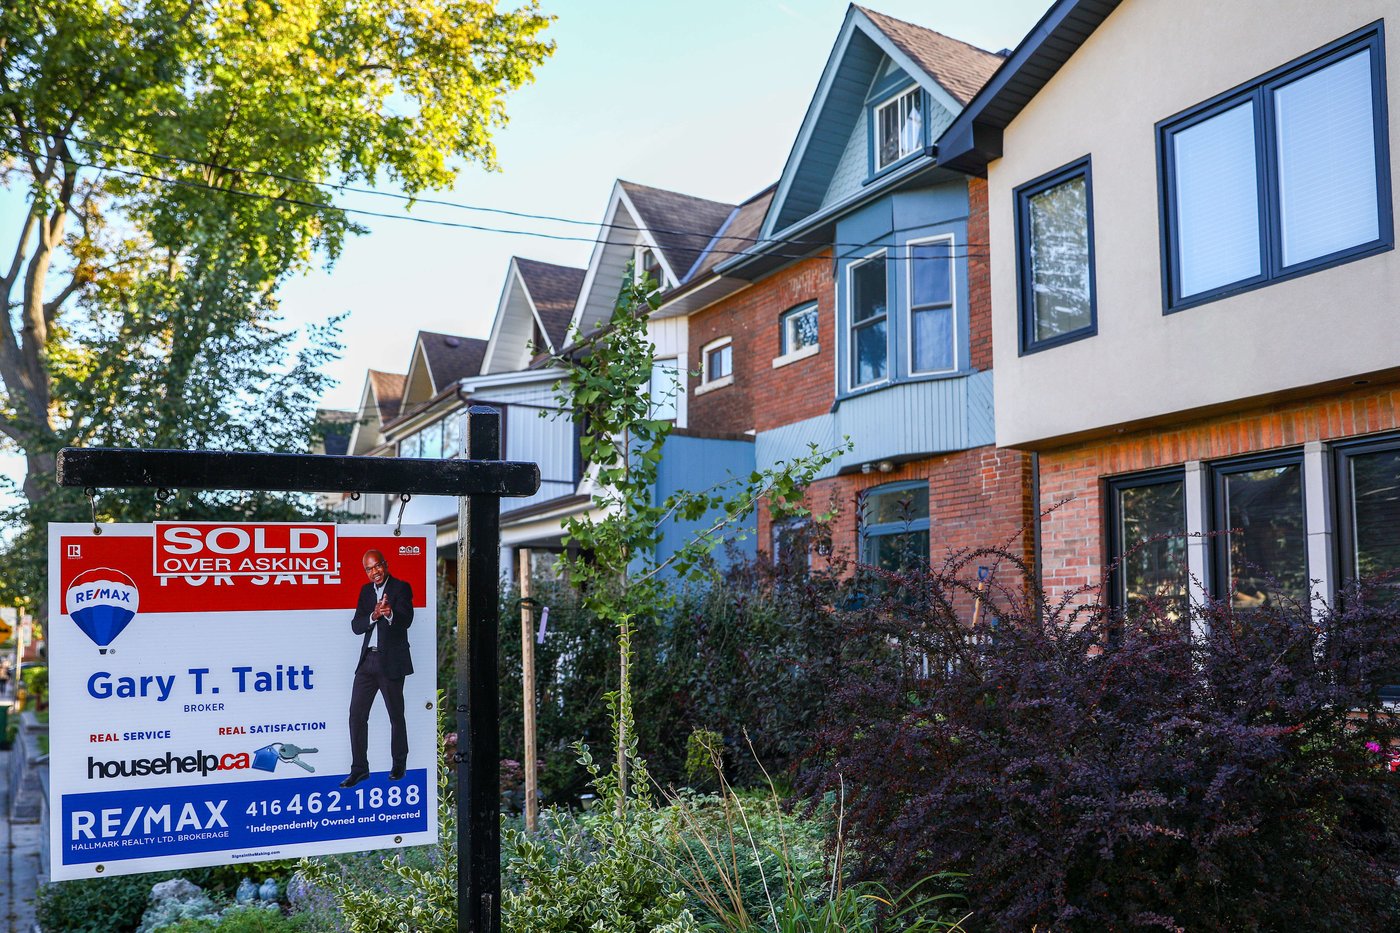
(102, 602)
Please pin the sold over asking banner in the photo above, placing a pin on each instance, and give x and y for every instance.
(228, 692)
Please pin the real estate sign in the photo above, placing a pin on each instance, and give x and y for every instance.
(231, 692)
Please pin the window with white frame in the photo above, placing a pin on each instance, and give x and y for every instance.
(932, 322)
(899, 128)
(648, 266)
(798, 329)
(1284, 176)
(868, 290)
(717, 363)
(665, 389)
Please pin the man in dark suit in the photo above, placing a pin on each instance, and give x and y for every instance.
(382, 616)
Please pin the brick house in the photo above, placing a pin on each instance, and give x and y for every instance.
(1194, 289)
(850, 300)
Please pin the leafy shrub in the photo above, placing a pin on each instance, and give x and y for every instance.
(35, 678)
(243, 920)
(411, 890)
(599, 870)
(116, 904)
(1094, 772)
(752, 650)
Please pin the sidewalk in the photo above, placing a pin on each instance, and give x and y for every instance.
(19, 859)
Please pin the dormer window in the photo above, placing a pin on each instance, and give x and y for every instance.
(899, 128)
(649, 264)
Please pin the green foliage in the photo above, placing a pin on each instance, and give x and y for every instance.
(174, 159)
(704, 754)
(601, 870)
(116, 904)
(243, 920)
(35, 678)
(408, 891)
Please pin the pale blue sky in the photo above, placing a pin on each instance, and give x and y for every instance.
(703, 98)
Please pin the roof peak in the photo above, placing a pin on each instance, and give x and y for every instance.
(877, 15)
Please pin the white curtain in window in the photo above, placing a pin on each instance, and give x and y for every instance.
(1217, 201)
(1327, 160)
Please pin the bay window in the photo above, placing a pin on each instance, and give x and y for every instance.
(931, 315)
(869, 289)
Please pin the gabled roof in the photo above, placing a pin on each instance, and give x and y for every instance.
(739, 233)
(677, 226)
(554, 291)
(959, 67)
(948, 70)
(450, 358)
(974, 137)
(388, 393)
(680, 224)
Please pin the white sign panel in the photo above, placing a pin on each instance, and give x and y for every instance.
(234, 692)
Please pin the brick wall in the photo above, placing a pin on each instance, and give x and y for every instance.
(761, 397)
(977, 498)
(979, 275)
(1073, 549)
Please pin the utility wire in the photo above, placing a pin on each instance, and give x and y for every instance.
(813, 245)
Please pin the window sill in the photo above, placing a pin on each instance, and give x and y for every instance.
(795, 355)
(719, 383)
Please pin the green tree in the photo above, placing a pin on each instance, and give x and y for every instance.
(174, 158)
(607, 388)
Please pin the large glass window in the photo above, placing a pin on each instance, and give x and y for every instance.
(1369, 521)
(452, 436)
(1261, 551)
(1278, 178)
(1147, 542)
(931, 320)
(869, 291)
(894, 526)
(1055, 258)
(665, 389)
(899, 128)
(430, 439)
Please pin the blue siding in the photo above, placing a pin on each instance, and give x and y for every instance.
(696, 464)
(892, 223)
(903, 420)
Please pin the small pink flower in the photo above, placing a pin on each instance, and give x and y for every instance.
(1373, 747)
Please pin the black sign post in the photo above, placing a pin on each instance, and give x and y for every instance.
(479, 482)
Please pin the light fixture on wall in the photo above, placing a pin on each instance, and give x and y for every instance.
(885, 466)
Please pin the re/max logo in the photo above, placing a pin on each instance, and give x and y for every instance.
(118, 822)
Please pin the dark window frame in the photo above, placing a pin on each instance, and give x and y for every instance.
(800, 308)
(1025, 298)
(1260, 92)
(1343, 513)
(1112, 538)
(1219, 582)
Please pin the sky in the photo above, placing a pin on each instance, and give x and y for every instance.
(701, 98)
(704, 99)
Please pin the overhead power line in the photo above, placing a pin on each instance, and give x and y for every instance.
(959, 251)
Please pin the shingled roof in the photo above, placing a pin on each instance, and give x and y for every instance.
(388, 393)
(681, 225)
(554, 290)
(451, 358)
(959, 68)
(739, 235)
